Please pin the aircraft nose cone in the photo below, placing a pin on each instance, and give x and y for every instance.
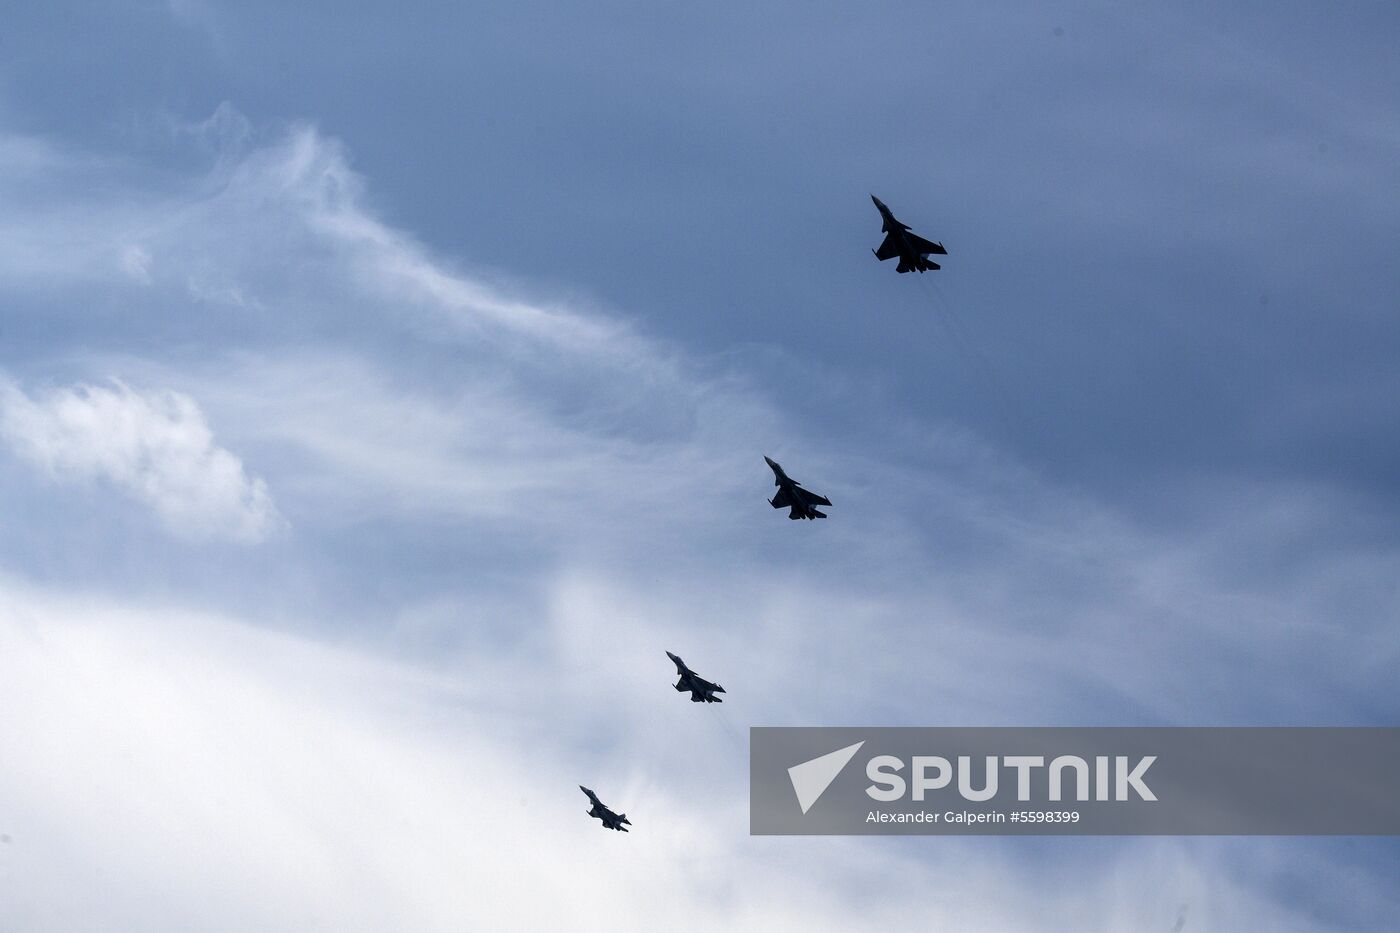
(769, 461)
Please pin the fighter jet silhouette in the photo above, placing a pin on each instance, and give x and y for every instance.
(701, 690)
(912, 250)
(792, 496)
(598, 811)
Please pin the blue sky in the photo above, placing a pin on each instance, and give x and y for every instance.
(383, 393)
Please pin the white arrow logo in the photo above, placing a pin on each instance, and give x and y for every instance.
(811, 778)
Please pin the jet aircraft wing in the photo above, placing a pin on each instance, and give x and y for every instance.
(922, 246)
(782, 500)
(812, 498)
(888, 249)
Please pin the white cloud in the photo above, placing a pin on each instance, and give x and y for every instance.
(169, 770)
(390, 392)
(154, 446)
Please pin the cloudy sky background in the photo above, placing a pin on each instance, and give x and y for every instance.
(383, 393)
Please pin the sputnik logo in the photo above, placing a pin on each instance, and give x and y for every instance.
(811, 778)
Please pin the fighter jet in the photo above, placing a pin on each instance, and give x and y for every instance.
(792, 496)
(701, 690)
(912, 250)
(598, 811)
